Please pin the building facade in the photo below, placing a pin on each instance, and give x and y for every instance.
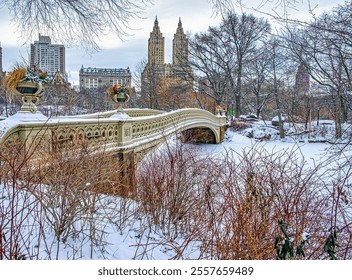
(93, 78)
(302, 83)
(0, 60)
(47, 56)
(1, 71)
(156, 66)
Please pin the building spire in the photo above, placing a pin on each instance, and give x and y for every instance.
(180, 46)
(156, 28)
(156, 45)
(179, 30)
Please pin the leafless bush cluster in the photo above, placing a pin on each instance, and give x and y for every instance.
(58, 201)
(230, 206)
(199, 206)
(17, 208)
(168, 192)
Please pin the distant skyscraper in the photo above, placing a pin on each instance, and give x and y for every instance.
(0, 60)
(156, 45)
(180, 46)
(48, 57)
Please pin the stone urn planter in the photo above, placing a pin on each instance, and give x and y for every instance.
(31, 93)
(28, 83)
(120, 98)
(119, 94)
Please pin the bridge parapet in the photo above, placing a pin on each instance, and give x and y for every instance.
(127, 138)
(131, 112)
(148, 128)
(117, 132)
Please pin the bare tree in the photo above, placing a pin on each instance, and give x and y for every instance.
(221, 54)
(279, 8)
(276, 74)
(150, 85)
(209, 57)
(326, 53)
(257, 78)
(74, 22)
(245, 32)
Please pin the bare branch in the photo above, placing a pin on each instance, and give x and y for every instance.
(78, 22)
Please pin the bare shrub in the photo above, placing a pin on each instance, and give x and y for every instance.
(46, 191)
(239, 126)
(19, 212)
(253, 193)
(75, 177)
(167, 182)
(230, 206)
(338, 234)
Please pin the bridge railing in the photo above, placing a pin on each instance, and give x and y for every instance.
(139, 130)
(131, 112)
(176, 121)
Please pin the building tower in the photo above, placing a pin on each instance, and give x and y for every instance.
(0, 60)
(302, 80)
(156, 45)
(180, 47)
(47, 57)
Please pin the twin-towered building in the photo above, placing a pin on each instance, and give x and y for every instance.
(156, 66)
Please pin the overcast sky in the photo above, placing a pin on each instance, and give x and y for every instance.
(196, 16)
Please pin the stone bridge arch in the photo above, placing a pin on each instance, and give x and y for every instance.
(204, 135)
(126, 136)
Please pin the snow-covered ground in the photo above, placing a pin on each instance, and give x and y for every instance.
(130, 239)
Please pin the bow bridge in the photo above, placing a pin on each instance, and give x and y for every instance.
(131, 130)
(128, 134)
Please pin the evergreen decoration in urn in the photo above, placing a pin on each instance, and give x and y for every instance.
(119, 94)
(29, 83)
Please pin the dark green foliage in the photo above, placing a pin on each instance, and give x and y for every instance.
(285, 247)
(330, 244)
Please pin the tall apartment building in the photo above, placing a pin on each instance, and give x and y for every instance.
(93, 78)
(0, 60)
(180, 46)
(156, 66)
(47, 56)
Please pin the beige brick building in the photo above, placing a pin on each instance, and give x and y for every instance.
(93, 78)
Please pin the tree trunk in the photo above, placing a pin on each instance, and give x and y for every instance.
(238, 89)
